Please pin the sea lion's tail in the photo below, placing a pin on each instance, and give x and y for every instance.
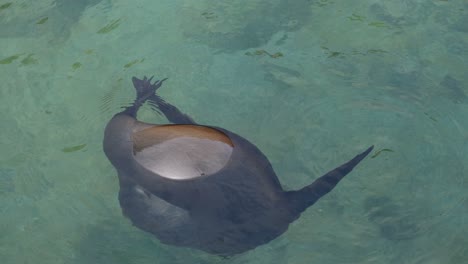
(307, 196)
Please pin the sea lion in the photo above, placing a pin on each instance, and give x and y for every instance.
(202, 186)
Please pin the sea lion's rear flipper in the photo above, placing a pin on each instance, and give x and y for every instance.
(158, 104)
(144, 90)
(172, 113)
(307, 196)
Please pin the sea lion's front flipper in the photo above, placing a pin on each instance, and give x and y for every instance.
(172, 113)
(307, 196)
(154, 214)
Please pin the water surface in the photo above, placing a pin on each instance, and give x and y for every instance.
(311, 83)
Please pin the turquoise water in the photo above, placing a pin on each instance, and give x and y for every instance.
(311, 83)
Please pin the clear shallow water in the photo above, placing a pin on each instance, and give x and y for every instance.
(310, 83)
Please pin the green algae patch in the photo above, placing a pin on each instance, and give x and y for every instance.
(76, 65)
(5, 6)
(340, 54)
(276, 55)
(109, 27)
(355, 17)
(380, 151)
(10, 59)
(331, 53)
(322, 3)
(209, 15)
(334, 54)
(378, 24)
(376, 51)
(431, 117)
(256, 53)
(29, 60)
(89, 51)
(264, 52)
(133, 62)
(42, 20)
(73, 148)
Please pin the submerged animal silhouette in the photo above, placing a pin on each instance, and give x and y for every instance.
(202, 186)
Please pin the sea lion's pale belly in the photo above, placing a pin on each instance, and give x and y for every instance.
(185, 157)
(182, 151)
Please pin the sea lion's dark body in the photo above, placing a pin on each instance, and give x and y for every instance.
(234, 209)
